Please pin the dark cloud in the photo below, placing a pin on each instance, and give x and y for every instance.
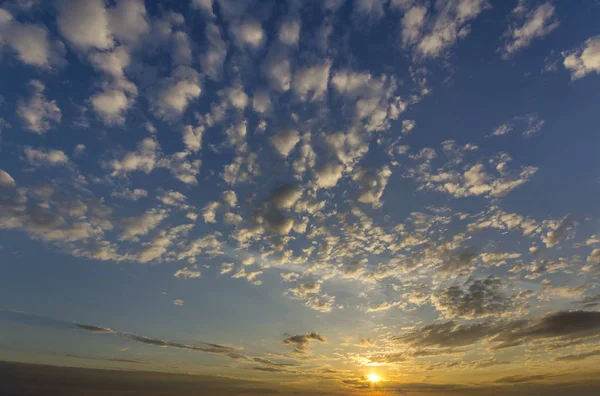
(562, 326)
(456, 262)
(94, 329)
(515, 379)
(274, 370)
(302, 341)
(107, 359)
(482, 298)
(271, 363)
(576, 357)
(449, 334)
(589, 301)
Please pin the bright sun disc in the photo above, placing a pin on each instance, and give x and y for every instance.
(374, 378)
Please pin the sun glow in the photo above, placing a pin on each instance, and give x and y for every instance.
(374, 378)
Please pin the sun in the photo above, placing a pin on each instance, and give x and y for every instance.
(374, 378)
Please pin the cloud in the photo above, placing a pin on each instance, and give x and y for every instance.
(482, 298)
(370, 8)
(213, 58)
(301, 342)
(285, 141)
(384, 306)
(128, 21)
(528, 26)
(430, 35)
(313, 80)
(192, 138)
(289, 32)
(249, 33)
(85, 24)
(516, 379)
(230, 198)
(130, 194)
(95, 329)
(187, 273)
(563, 325)
(555, 235)
(577, 357)
(372, 185)
(584, 60)
(143, 159)
(37, 113)
(6, 180)
(209, 212)
(178, 303)
(133, 227)
(176, 92)
(206, 6)
(286, 196)
(278, 70)
(328, 175)
(45, 157)
(30, 42)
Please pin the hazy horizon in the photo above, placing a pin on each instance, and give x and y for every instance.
(308, 197)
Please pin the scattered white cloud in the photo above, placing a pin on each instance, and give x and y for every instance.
(528, 26)
(38, 113)
(584, 60)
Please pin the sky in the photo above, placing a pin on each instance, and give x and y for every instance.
(359, 196)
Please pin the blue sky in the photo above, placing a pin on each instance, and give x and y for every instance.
(321, 189)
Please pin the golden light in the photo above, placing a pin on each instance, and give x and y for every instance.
(374, 378)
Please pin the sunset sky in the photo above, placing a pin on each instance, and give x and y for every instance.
(359, 196)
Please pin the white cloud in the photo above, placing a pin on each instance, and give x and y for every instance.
(236, 134)
(237, 97)
(178, 303)
(111, 104)
(230, 198)
(248, 32)
(128, 21)
(6, 180)
(213, 59)
(181, 167)
(534, 24)
(285, 141)
(408, 126)
(45, 157)
(328, 175)
(559, 230)
(177, 92)
(431, 35)
(192, 138)
(38, 114)
(133, 227)
(502, 130)
(370, 8)
(118, 93)
(584, 60)
(206, 6)
(261, 102)
(289, 32)
(278, 72)
(372, 186)
(242, 169)
(311, 79)
(144, 158)
(209, 212)
(85, 24)
(29, 42)
(412, 24)
(130, 194)
(187, 273)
